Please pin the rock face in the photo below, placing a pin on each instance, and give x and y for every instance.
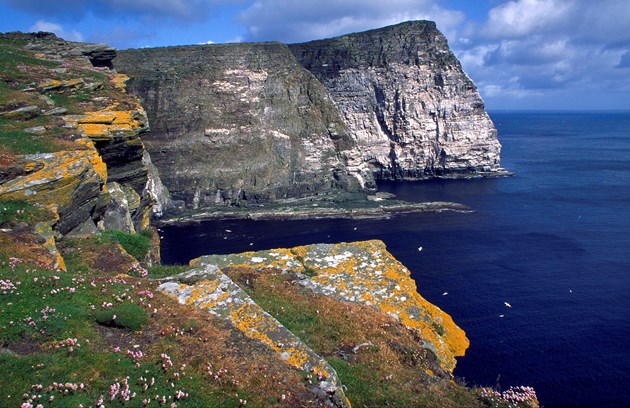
(91, 168)
(407, 102)
(241, 123)
(237, 124)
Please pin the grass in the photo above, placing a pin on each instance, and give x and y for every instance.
(17, 65)
(126, 315)
(56, 328)
(136, 245)
(389, 368)
(163, 271)
(14, 212)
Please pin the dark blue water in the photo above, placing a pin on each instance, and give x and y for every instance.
(552, 241)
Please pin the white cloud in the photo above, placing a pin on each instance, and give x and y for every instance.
(525, 17)
(42, 25)
(296, 21)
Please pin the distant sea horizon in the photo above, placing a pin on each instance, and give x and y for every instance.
(553, 242)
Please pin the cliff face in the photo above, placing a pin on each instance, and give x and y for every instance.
(411, 109)
(246, 123)
(70, 137)
(241, 123)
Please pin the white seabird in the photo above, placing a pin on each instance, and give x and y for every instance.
(507, 304)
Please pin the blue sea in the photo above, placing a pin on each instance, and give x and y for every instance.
(553, 241)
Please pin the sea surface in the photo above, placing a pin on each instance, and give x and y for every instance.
(553, 242)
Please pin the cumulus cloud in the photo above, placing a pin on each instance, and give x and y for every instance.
(525, 17)
(42, 25)
(296, 21)
(527, 48)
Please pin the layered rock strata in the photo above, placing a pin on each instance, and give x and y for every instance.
(236, 124)
(94, 173)
(240, 124)
(407, 102)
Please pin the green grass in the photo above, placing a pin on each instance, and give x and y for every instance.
(21, 142)
(136, 245)
(14, 60)
(162, 271)
(127, 315)
(13, 212)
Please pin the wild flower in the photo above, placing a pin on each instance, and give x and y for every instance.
(135, 355)
(166, 361)
(68, 343)
(146, 293)
(7, 287)
(137, 269)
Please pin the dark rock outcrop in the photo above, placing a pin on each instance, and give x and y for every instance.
(407, 102)
(237, 124)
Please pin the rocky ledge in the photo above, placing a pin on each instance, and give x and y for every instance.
(361, 272)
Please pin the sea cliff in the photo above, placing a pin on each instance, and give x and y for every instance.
(249, 124)
(89, 318)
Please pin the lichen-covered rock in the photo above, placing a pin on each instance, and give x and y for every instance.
(64, 180)
(209, 289)
(95, 171)
(241, 123)
(409, 105)
(361, 272)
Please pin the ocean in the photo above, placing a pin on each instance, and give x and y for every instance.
(552, 242)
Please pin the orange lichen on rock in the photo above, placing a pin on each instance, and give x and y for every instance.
(208, 288)
(56, 182)
(282, 259)
(119, 81)
(365, 273)
(95, 157)
(109, 123)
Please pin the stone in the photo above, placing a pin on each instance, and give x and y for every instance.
(413, 111)
(85, 229)
(100, 55)
(56, 111)
(209, 289)
(65, 180)
(155, 188)
(360, 272)
(37, 130)
(117, 213)
(25, 113)
(247, 124)
(240, 124)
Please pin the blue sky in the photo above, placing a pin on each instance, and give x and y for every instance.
(523, 54)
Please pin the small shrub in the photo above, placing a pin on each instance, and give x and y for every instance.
(125, 315)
